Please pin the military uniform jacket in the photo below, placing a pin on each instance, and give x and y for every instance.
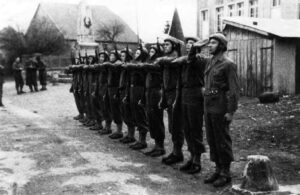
(114, 71)
(137, 75)
(170, 73)
(102, 80)
(221, 86)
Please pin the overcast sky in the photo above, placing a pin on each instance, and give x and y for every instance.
(152, 14)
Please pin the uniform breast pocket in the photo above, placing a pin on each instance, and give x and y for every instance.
(218, 75)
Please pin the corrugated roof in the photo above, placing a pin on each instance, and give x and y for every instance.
(65, 18)
(279, 27)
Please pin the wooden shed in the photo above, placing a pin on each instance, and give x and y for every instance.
(267, 53)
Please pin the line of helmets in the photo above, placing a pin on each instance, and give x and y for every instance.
(142, 54)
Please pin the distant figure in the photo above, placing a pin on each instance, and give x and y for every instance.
(17, 68)
(1, 83)
(31, 74)
(42, 72)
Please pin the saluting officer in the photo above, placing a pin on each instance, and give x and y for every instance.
(191, 100)
(220, 101)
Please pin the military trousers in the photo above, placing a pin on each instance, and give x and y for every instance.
(19, 80)
(104, 105)
(82, 101)
(114, 102)
(96, 108)
(192, 115)
(125, 109)
(218, 138)
(175, 122)
(78, 103)
(1, 89)
(155, 116)
(138, 112)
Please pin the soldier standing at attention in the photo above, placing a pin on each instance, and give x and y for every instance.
(75, 70)
(1, 83)
(190, 90)
(101, 91)
(170, 79)
(96, 97)
(126, 57)
(17, 67)
(151, 100)
(114, 70)
(90, 79)
(220, 102)
(137, 90)
(42, 72)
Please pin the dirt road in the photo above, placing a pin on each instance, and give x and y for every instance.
(44, 151)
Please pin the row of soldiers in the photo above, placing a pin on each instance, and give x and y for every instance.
(31, 68)
(136, 90)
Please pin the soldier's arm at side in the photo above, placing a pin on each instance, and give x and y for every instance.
(234, 90)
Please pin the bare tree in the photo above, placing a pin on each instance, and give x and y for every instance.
(12, 42)
(109, 32)
(44, 37)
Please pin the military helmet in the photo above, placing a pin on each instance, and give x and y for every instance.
(220, 37)
(172, 40)
(129, 53)
(195, 39)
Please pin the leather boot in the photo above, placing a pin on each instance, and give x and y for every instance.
(212, 178)
(224, 177)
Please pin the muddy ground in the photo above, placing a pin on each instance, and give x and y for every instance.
(44, 151)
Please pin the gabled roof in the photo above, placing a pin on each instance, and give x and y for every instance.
(265, 26)
(65, 16)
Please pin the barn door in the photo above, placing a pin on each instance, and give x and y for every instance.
(266, 75)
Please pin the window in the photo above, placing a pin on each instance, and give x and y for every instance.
(231, 10)
(219, 14)
(219, 2)
(276, 3)
(204, 15)
(240, 9)
(204, 24)
(253, 4)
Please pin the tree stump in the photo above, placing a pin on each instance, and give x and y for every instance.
(258, 175)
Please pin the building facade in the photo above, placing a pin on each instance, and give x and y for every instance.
(211, 12)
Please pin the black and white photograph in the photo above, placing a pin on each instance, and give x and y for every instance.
(150, 97)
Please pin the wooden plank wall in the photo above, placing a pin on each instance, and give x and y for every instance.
(253, 54)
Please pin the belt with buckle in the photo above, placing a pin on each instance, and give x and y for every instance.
(209, 92)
